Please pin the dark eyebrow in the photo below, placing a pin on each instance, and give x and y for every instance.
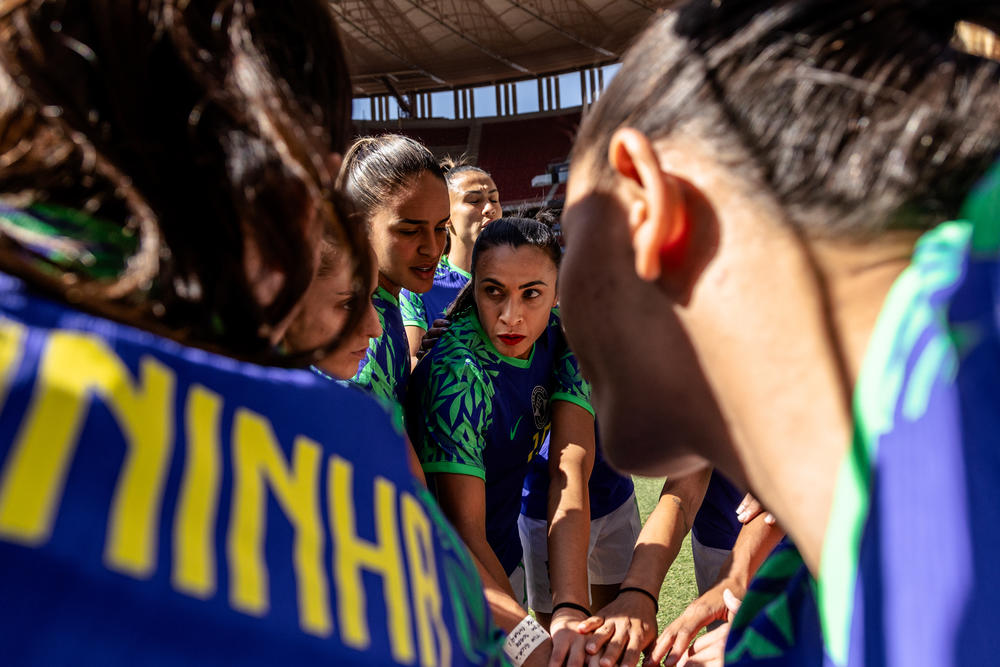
(493, 280)
(411, 221)
(532, 284)
(479, 192)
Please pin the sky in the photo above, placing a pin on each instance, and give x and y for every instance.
(484, 98)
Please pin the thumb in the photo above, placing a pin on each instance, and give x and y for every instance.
(732, 602)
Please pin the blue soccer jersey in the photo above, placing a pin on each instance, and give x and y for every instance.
(420, 310)
(385, 370)
(473, 411)
(908, 574)
(606, 488)
(715, 525)
(162, 505)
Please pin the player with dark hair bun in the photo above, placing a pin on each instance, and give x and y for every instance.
(781, 217)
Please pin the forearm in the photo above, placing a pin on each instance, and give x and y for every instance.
(753, 544)
(569, 530)
(663, 534)
(506, 611)
(489, 565)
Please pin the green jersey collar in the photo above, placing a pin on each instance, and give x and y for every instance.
(451, 267)
(513, 361)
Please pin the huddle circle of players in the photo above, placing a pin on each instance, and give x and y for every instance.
(324, 405)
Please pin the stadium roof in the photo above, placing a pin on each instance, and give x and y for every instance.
(417, 45)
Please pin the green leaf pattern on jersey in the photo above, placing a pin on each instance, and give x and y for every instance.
(384, 368)
(766, 605)
(458, 398)
(457, 403)
(413, 310)
(570, 383)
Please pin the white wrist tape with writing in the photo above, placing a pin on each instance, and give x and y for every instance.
(524, 639)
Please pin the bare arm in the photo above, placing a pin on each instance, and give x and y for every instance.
(628, 625)
(571, 460)
(756, 540)
(414, 336)
(463, 500)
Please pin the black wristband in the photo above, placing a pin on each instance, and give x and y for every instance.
(636, 589)
(571, 605)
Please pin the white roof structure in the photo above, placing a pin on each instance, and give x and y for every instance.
(402, 46)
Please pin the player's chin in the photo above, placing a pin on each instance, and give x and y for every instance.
(421, 279)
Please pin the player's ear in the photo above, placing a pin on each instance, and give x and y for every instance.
(657, 217)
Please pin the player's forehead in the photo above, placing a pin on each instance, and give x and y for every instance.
(512, 266)
(473, 182)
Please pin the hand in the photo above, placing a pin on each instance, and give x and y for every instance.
(623, 629)
(431, 337)
(540, 656)
(750, 507)
(709, 650)
(705, 610)
(567, 642)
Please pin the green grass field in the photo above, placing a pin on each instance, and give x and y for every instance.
(679, 587)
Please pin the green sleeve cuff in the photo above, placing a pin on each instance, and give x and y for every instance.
(416, 323)
(570, 398)
(456, 468)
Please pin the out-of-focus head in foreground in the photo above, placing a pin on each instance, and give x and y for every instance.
(185, 151)
(750, 167)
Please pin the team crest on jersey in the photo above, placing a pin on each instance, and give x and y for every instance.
(540, 406)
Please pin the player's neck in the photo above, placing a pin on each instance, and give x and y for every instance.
(389, 286)
(783, 343)
(460, 255)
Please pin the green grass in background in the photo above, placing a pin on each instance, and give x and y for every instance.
(679, 588)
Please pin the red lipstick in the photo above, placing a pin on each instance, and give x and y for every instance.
(511, 339)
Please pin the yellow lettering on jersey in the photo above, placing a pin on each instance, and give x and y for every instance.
(352, 555)
(194, 523)
(145, 416)
(72, 366)
(258, 461)
(424, 583)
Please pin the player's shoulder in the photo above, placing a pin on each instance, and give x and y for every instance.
(461, 353)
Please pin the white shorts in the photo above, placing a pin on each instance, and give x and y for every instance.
(708, 563)
(517, 584)
(612, 539)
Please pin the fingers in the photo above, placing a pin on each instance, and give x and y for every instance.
(637, 641)
(613, 651)
(664, 647)
(748, 508)
(600, 637)
(675, 637)
(567, 644)
(588, 625)
(732, 602)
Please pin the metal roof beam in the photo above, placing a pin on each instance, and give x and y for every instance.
(562, 31)
(416, 68)
(460, 34)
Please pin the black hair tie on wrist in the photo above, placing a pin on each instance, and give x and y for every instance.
(636, 589)
(571, 605)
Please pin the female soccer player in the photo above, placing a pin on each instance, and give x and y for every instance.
(335, 293)
(168, 495)
(765, 218)
(478, 407)
(400, 192)
(475, 202)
